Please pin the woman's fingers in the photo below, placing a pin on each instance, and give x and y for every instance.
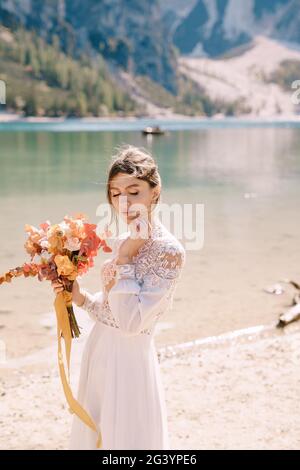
(109, 285)
(132, 217)
(139, 228)
(57, 285)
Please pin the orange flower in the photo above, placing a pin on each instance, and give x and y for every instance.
(55, 238)
(65, 267)
(75, 227)
(32, 244)
(6, 277)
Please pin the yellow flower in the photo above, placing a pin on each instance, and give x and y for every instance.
(65, 267)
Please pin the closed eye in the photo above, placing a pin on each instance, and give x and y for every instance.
(133, 194)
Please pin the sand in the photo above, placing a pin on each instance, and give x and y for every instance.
(242, 393)
(208, 389)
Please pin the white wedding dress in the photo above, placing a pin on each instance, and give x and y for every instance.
(120, 384)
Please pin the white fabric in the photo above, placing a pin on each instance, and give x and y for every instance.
(120, 382)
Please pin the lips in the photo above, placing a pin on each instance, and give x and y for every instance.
(129, 213)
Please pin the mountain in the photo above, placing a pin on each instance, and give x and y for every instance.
(159, 57)
(262, 87)
(288, 26)
(139, 35)
(42, 80)
(129, 34)
(213, 27)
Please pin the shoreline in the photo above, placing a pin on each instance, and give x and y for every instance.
(207, 391)
(11, 118)
(227, 339)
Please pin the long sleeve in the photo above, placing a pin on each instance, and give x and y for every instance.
(93, 304)
(136, 307)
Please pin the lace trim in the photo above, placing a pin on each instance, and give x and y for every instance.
(100, 311)
(108, 272)
(91, 304)
(163, 263)
(110, 269)
(125, 271)
(105, 315)
(157, 263)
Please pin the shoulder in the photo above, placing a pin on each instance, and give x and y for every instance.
(169, 245)
(168, 256)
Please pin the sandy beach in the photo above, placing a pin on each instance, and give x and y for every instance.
(211, 91)
(241, 393)
(251, 242)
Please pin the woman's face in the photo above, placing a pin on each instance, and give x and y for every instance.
(130, 194)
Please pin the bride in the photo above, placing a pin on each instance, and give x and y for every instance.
(120, 381)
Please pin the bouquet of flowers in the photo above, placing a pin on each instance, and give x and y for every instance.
(62, 251)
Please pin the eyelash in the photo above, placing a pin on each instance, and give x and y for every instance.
(133, 194)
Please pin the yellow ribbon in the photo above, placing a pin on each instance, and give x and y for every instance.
(63, 330)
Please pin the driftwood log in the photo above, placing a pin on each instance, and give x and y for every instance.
(293, 313)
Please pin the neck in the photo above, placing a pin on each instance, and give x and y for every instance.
(153, 218)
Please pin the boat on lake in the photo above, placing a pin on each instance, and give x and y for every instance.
(153, 130)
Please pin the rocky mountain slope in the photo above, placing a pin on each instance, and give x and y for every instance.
(196, 57)
(247, 77)
(213, 27)
(130, 34)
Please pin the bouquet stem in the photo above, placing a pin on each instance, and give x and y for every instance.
(73, 322)
(75, 331)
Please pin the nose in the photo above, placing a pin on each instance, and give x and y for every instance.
(124, 204)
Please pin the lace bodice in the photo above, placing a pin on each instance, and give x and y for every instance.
(144, 289)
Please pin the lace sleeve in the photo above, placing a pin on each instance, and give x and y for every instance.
(136, 307)
(165, 264)
(92, 304)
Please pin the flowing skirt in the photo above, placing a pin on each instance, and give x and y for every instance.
(120, 386)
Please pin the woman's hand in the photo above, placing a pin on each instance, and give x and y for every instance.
(57, 286)
(77, 297)
(110, 284)
(130, 247)
(139, 231)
